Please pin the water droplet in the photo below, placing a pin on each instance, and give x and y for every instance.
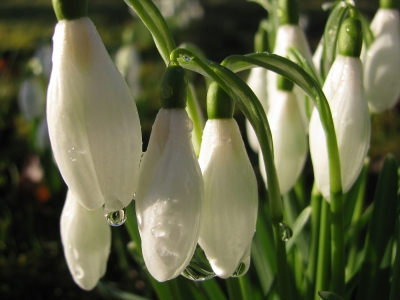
(157, 232)
(167, 91)
(186, 58)
(199, 268)
(196, 272)
(286, 232)
(78, 272)
(240, 270)
(116, 218)
(166, 254)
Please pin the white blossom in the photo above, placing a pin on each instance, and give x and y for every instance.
(289, 140)
(257, 81)
(382, 61)
(230, 206)
(32, 98)
(86, 238)
(93, 121)
(346, 97)
(127, 61)
(170, 195)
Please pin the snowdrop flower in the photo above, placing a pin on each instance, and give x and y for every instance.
(290, 34)
(231, 196)
(93, 121)
(382, 61)
(86, 239)
(32, 98)
(289, 140)
(345, 93)
(170, 192)
(257, 81)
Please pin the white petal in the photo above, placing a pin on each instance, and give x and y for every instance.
(93, 122)
(86, 239)
(289, 140)
(231, 197)
(290, 36)
(169, 196)
(345, 93)
(257, 81)
(382, 62)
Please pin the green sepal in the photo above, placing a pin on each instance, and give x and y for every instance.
(70, 9)
(219, 104)
(173, 87)
(350, 37)
(389, 4)
(288, 12)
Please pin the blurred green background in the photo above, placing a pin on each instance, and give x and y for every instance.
(32, 264)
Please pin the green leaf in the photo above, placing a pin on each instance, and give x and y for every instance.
(375, 273)
(298, 226)
(114, 293)
(156, 24)
(329, 296)
(212, 289)
(395, 287)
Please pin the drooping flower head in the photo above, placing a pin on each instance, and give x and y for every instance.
(86, 239)
(230, 205)
(93, 121)
(382, 60)
(344, 91)
(170, 193)
(289, 139)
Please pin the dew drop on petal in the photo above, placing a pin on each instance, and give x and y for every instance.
(78, 272)
(116, 218)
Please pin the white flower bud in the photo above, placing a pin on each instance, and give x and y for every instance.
(231, 197)
(287, 36)
(86, 239)
(169, 198)
(289, 140)
(257, 81)
(344, 91)
(382, 61)
(93, 121)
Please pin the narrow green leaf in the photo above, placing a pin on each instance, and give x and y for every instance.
(155, 23)
(114, 293)
(395, 286)
(296, 56)
(375, 273)
(329, 296)
(298, 226)
(212, 289)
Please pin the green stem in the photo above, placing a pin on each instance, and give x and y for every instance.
(154, 21)
(310, 277)
(324, 262)
(197, 118)
(337, 236)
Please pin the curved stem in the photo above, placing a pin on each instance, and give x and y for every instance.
(154, 21)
